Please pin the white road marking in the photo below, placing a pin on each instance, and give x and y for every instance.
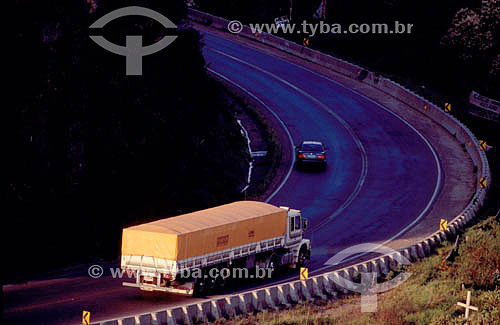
(357, 141)
(438, 183)
(250, 163)
(277, 118)
(438, 166)
(436, 159)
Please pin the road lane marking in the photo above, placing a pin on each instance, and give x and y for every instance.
(292, 146)
(281, 122)
(356, 139)
(436, 159)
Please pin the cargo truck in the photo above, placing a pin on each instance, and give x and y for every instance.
(179, 254)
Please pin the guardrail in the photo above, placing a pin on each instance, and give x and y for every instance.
(327, 284)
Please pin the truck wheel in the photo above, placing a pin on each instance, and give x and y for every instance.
(211, 283)
(221, 282)
(200, 288)
(273, 266)
(302, 258)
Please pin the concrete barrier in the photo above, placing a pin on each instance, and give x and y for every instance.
(330, 284)
(450, 123)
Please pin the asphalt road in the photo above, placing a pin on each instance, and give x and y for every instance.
(382, 177)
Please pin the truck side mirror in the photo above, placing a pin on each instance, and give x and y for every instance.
(304, 224)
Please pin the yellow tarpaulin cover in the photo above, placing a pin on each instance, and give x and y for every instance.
(205, 231)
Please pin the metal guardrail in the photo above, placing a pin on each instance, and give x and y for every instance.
(327, 284)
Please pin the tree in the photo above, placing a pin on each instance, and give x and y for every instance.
(475, 36)
(94, 150)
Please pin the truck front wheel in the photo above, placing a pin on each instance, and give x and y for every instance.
(200, 288)
(301, 260)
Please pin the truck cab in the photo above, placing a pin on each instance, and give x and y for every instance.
(294, 239)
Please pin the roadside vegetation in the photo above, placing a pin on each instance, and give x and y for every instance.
(453, 47)
(269, 165)
(91, 150)
(429, 296)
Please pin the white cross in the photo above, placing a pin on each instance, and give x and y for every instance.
(467, 306)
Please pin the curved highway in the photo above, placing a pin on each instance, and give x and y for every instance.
(382, 177)
(382, 174)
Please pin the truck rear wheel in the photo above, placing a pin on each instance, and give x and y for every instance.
(273, 266)
(221, 282)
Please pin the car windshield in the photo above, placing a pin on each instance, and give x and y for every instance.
(312, 147)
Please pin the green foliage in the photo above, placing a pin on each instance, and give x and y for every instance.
(478, 264)
(432, 55)
(96, 150)
(429, 296)
(475, 35)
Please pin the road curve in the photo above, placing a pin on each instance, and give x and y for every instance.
(382, 176)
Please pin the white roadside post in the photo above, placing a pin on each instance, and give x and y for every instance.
(467, 306)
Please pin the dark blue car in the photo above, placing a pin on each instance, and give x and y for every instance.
(311, 152)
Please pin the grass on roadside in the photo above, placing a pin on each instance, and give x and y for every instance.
(274, 148)
(429, 296)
